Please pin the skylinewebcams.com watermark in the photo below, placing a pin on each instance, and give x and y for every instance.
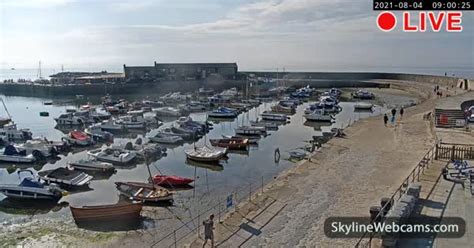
(418, 227)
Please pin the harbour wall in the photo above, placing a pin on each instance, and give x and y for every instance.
(314, 79)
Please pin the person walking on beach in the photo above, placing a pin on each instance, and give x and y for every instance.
(401, 112)
(392, 119)
(209, 230)
(385, 119)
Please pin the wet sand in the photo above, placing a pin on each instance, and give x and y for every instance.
(345, 178)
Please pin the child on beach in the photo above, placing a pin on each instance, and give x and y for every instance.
(385, 119)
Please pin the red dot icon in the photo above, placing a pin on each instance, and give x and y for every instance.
(386, 21)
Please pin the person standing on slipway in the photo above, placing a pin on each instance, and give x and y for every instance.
(209, 230)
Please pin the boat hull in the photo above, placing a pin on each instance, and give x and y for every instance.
(120, 213)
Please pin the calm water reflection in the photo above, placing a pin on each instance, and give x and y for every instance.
(212, 182)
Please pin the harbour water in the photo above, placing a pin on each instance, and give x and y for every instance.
(212, 183)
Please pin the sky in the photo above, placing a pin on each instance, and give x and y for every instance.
(312, 35)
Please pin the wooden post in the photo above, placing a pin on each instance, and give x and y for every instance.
(452, 152)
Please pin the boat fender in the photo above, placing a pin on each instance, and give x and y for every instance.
(276, 155)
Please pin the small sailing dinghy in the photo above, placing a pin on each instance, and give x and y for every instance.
(171, 181)
(206, 154)
(31, 188)
(145, 192)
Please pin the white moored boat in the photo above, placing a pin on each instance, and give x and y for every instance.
(131, 121)
(249, 130)
(318, 115)
(10, 132)
(11, 154)
(205, 154)
(31, 188)
(113, 155)
(167, 111)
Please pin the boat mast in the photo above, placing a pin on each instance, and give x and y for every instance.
(5, 107)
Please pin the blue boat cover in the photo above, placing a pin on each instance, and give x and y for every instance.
(11, 150)
(29, 182)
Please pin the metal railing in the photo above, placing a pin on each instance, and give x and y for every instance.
(366, 239)
(219, 209)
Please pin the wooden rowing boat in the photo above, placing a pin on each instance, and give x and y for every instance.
(230, 143)
(128, 213)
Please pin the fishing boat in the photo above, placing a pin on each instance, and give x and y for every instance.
(78, 138)
(113, 155)
(98, 134)
(9, 132)
(167, 111)
(44, 113)
(363, 94)
(166, 138)
(131, 121)
(92, 165)
(66, 177)
(144, 192)
(11, 154)
(318, 115)
(273, 117)
(251, 131)
(171, 181)
(31, 188)
(230, 143)
(184, 136)
(205, 154)
(223, 112)
(363, 106)
(128, 213)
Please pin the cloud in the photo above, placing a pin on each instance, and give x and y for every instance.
(35, 3)
(128, 6)
(296, 34)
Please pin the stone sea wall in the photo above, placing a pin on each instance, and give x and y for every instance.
(315, 79)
